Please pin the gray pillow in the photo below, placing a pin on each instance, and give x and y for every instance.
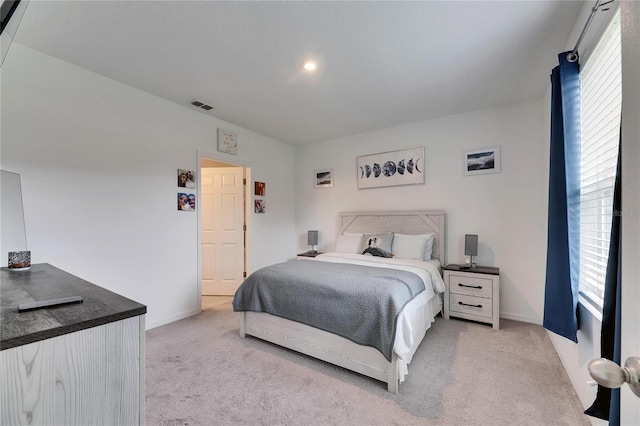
(381, 242)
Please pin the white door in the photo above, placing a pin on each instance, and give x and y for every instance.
(222, 228)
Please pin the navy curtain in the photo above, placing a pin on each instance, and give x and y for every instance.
(563, 239)
(607, 403)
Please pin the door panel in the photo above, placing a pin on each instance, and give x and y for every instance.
(222, 222)
(208, 261)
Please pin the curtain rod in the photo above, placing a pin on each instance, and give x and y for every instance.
(573, 55)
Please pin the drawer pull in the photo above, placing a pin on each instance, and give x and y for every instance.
(479, 287)
(473, 306)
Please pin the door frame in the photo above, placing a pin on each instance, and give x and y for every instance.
(630, 287)
(247, 215)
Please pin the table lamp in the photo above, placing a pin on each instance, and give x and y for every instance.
(470, 248)
(312, 240)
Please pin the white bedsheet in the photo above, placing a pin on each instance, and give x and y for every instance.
(418, 315)
(429, 270)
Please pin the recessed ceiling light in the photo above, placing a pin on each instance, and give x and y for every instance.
(309, 65)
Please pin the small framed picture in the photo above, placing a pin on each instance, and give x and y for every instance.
(227, 142)
(482, 161)
(260, 189)
(260, 206)
(323, 178)
(186, 179)
(186, 202)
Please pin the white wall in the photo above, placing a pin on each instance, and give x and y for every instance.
(98, 162)
(507, 210)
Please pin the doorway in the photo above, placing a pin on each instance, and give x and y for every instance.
(223, 227)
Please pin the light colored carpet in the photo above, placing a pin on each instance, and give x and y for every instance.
(200, 372)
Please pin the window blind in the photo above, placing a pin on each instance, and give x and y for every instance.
(601, 105)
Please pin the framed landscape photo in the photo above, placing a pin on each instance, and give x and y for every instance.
(323, 178)
(482, 161)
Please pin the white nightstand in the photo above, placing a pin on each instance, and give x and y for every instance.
(472, 293)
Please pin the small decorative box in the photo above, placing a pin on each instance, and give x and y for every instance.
(19, 259)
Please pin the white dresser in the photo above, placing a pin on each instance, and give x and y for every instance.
(78, 364)
(472, 293)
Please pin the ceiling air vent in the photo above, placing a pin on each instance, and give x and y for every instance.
(201, 105)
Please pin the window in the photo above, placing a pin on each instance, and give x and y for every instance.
(601, 104)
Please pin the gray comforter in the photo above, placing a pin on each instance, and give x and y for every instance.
(356, 302)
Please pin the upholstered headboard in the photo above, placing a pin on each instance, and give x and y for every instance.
(403, 222)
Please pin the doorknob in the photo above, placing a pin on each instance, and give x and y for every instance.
(610, 375)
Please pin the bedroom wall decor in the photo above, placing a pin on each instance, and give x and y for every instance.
(260, 188)
(260, 206)
(19, 260)
(227, 142)
(404, 167)
(186, 202)
(482, 161)
(186, 179)
(323, 178)
(13, 236)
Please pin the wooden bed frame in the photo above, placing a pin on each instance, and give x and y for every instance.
(336, 349)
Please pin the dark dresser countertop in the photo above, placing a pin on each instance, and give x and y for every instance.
(474, 269)
(43, 281)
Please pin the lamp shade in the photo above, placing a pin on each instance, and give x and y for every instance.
(470, 245)
(312, 238)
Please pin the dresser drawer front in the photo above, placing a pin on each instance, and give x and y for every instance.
(472, 286)
(480, 306)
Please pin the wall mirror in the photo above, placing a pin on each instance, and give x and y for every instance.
(12, 229)
(11, 12)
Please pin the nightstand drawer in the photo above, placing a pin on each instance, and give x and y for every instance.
(471, 305)
(473, 286)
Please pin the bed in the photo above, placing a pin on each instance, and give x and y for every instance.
(414, 314)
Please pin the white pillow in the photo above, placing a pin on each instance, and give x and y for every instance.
(412, 246)
(428, 251)
(348, 244)
(378, 244)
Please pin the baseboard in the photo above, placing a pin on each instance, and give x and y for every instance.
(521, 318)
(577, 387)
(168, 320)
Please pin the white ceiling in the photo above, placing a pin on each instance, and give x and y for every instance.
(381, 64)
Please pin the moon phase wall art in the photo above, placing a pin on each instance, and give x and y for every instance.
(405, 167)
